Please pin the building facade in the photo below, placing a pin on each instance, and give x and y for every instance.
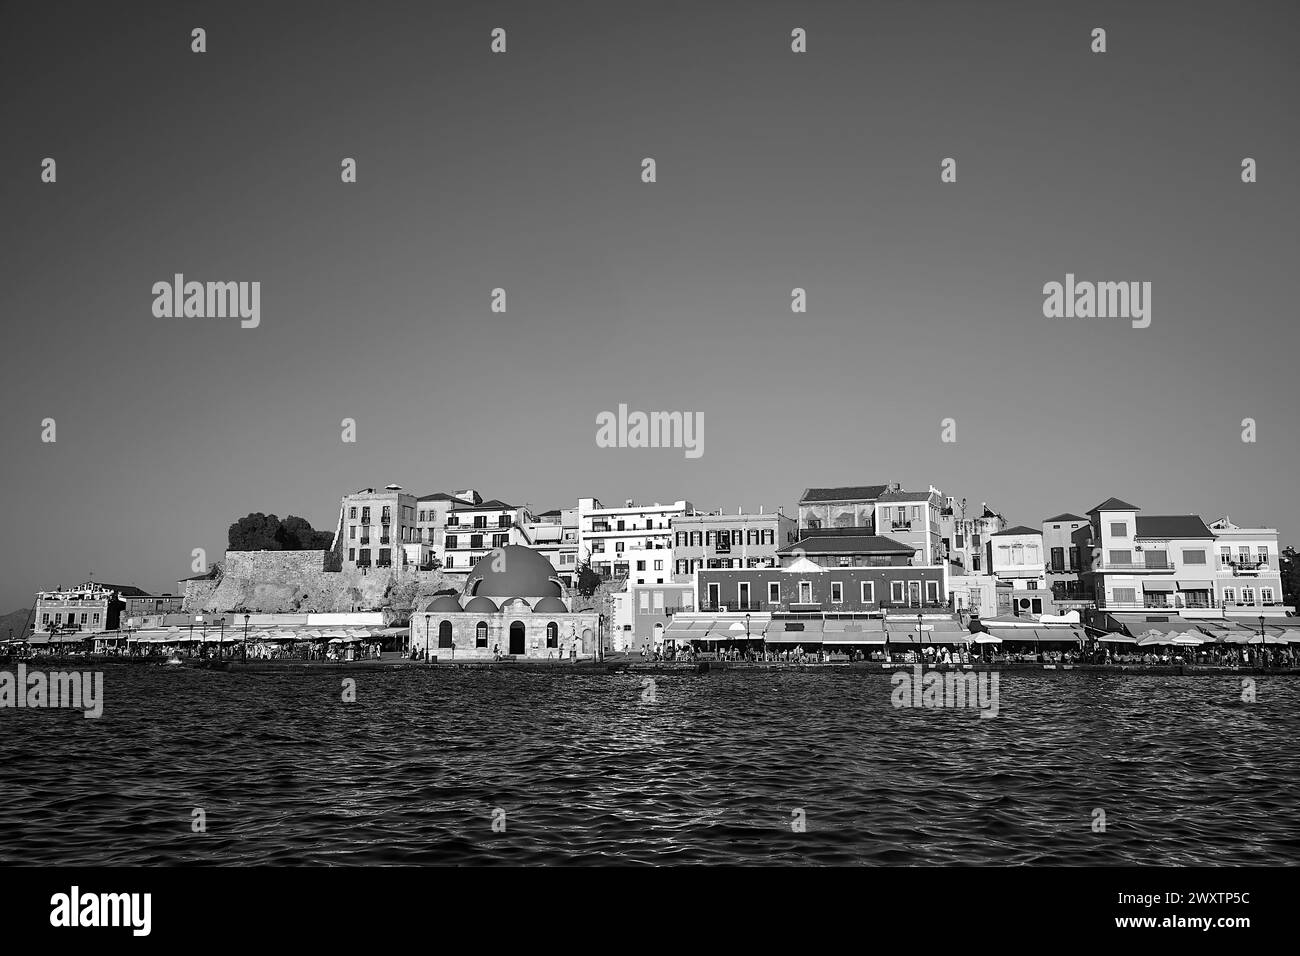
(1247, 572)
(1015, 557)
(472, 531)
(1150, 561)
(606, 536)
(643, 612)
(738, 540)
(964, 534)
(912, 517)
(804, 587)
(431, 524)
(375, 526)
(85, 608)
(850, 506)
(1067, 548)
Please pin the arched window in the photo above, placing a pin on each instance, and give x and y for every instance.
(552, 634)
(480, 634)
(444, 634)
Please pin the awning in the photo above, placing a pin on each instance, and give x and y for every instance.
(1161, 587)
(1195, 586)
(867, 631)
(688, 629)
(1117, 639)
(1059, 635)
(795, 632)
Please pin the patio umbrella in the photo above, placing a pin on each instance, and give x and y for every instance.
(1291, 636)
(1187, 639)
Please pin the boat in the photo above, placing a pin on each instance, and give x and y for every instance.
(174, 660)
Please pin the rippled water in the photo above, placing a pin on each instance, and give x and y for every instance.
(585, 771)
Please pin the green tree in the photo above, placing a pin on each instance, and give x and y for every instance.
(1290, 568)
(587, 579)
(254, 532)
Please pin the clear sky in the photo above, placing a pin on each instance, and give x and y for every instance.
(522, 171)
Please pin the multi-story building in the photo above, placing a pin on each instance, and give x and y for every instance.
(1068, 551)
(375, 526)
(1150, 561)
(912, 517)
(964, 534)
(805, 586)
(141, 605)
(1015, 556)
(474, 530)
(607, 536)
(1247, 573)
(852, 506)
(431, 524)
(86, 608)
(740, 540)
(642, 613)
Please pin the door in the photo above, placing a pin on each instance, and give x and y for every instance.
(517, 638)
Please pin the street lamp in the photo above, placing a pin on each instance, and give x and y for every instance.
(428, 635)
(1263, 658)
(246, 618)
(920, 639)
(221, 639)
(747, 634)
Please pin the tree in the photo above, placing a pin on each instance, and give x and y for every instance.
(254, 532)
(1290, 568)
(587, 579)
(297, 534)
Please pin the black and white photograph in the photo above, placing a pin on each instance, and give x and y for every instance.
(832, 457)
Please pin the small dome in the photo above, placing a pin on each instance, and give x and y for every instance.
(444, 603)
(513, 571)
(481, 604)
(551, 605)
(517, 602)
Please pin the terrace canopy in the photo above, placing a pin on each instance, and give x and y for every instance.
(864, 631)
(810, 631)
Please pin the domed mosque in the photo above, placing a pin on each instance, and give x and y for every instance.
(512, 605)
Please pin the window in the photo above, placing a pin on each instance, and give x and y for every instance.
(1265, 595)
(618, 547)
(1156, 559)
(837, 592)
(451, 541)
(1263, 555)
(1125, 595)
(352, 531)
(1243, 555)
(352, 512)
(1193, 557)
(552, 634)
(453, 521)
(645, 600)
(868, 592)
(385, 557)
(352, 554)
(640, 565)
(1031, 585)
(480, 634)
(1247, 595)
(932, 591)
(83, 617)
(896, 592)
(659, 564)
(1118, 529)
(742, 594)
(1058, 559)
(805, 592)
(715, 594)
(45, 618)
(95, 619)
(773, 592)
(500, 540)
(659, 601)
(476, 541)
(1225, 555)
(1229, 595)
(1119, 557)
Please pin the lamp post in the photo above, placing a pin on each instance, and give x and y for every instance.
(428, 635)
(1263, 659)
(920, 640)
(221, 639)
(246, 619)
(747, 638)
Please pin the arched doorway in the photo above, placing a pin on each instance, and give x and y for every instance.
(552, 635)
(444, 634)
(517, 638)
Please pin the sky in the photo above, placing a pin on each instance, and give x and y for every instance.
(522, 171)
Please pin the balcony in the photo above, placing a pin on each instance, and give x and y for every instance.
(385, 540)
(1254, 566)
(365, 540)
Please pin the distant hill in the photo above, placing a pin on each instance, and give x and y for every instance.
(15, 619)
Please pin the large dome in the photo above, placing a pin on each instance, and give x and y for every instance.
(513, 571)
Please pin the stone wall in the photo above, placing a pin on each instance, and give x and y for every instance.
(290, 582)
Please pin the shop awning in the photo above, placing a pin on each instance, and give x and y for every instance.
(1059, 635)
(688, 629)
(795, 632)
(867, 631)
(1160, 587)
(1195, 586)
